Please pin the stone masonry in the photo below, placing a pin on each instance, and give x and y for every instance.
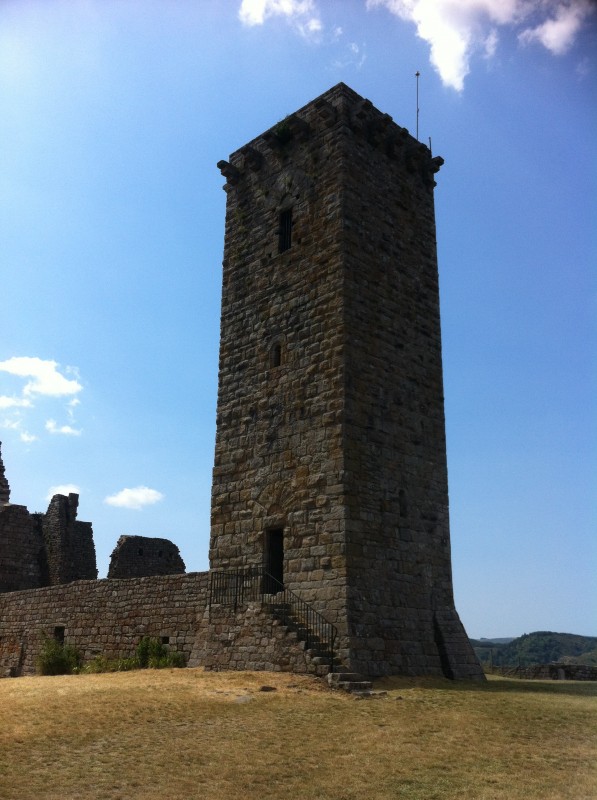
(105, 617)
(43, 549)
(4, 487)
(139, 556)
(330, 462)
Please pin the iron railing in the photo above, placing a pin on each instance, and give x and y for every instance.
(236, 587)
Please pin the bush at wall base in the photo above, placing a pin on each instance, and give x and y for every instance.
(57, 659)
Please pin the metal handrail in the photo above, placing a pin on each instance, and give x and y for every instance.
(235, 587)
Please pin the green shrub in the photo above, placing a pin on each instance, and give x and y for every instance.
(103, 664)
(150, 654)
(57, 659)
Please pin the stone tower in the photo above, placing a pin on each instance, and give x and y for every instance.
(330, 463)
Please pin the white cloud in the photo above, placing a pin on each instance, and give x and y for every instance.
(42, 379)
(14, 402)
(65, 430)
(456, 30)
(134, 498)
(354, 55)
(64, 488)
(46, 379)
(302, 13)
(11, 424)
(558, 32)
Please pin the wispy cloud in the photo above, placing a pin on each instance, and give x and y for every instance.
(558, 32)
(65, 430)
(42, 380)
(354, 55)
(134, 498)
(64, 488)
(456, 31)
(14, 402)
(302, 14)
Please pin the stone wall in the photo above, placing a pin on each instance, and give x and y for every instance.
(249, 638)
(43, 549)
(139, 556)
(106, 617)
(23, 562)
(4, 487)
(69, 543)
(555, 671)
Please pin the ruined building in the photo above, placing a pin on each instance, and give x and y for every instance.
(43, 549)
(330, 492)
(140, 556)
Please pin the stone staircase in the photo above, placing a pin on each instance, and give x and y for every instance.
(319, 652)
(327, 664)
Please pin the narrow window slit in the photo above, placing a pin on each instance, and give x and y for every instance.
(275, 355)
(285, 231)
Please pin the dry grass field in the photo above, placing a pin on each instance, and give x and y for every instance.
(188, 734)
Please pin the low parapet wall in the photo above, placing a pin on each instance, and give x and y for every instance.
(555, 671)
(107, 617)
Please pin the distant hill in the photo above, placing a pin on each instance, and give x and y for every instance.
(541, 647)
(503, 640)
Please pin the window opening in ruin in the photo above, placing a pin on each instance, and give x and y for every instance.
(285, 231)
(140, 551)
(274, 560)
(275, 355)
(59, 634)
(165, 640)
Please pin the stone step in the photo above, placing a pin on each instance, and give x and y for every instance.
(355, 686)
(342, 676)
(321, 660)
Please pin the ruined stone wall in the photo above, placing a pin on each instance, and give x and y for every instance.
(69, 543)
(44, 549)
(23, 562)
(554, 672)
(106, 617)
(4, 487)
(139, 556)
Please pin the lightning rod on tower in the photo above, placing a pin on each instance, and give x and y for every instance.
(417, 74)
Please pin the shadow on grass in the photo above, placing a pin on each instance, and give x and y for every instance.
(494, 685)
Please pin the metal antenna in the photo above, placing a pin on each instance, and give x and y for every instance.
(417, 74)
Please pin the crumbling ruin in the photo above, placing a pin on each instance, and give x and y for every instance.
(141, 556)
(43, 549)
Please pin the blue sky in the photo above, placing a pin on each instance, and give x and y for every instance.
(113, 116)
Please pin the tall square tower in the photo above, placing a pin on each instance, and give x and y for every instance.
(330, 464)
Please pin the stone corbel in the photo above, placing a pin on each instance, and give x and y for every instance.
(326, 111)
(252, 158)
(230, 172)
